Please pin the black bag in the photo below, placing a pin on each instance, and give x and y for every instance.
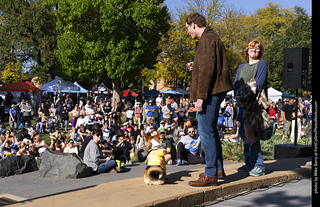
(226, 114)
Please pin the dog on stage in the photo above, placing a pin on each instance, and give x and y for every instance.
(155, 173)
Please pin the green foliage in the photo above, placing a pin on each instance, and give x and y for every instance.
(236, 29)
(297, 34)
(177, 51)
(111, 39)
(27, 32)
(12, 71)
(98, 41)
(232, 151)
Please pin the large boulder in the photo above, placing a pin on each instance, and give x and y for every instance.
(63, 165)
(12, 165)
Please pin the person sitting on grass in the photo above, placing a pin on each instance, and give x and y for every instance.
(71, 148)
(57, 146)
(22, 149)
(74, 135)
(121, 148)
(40, 144)
(52, 122)
(58, 135)
(24, 135)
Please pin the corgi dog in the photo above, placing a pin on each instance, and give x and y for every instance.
(154, 175)
(155, 172)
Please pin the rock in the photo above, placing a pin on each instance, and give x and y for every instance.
(63, 165)
(12, 165)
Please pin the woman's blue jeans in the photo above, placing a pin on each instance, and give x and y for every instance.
(252, 151)
(207, 121)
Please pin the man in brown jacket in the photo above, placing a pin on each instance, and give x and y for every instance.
(210, 83)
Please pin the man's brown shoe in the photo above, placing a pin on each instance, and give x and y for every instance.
(221, 174)
(204, 181)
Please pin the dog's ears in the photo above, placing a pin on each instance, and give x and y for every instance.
(148, 138)
(157, 136)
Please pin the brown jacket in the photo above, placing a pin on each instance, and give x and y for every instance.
(210, 67)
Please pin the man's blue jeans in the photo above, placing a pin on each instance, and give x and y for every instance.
(252, 151)
(106, 166)
(207, 120)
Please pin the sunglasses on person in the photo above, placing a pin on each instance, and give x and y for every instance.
(191, 131)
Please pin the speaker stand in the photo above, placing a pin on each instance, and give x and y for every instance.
(283, 151)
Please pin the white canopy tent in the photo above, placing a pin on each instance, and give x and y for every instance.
(59, 84)
(274, 94)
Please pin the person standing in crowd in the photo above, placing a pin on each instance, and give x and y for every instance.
(273, 112)
(228, 114)
(9, 98)
(27, 112)
(192, 113)
(13, 118)
(221, 122)
(258, 69)
(129, 113)
(210, 83)
(158, 100)
(137, 114)
(144, 111)
(64, 119)
(150, 111)
(166, 113)
(306, 112)
(286, 115)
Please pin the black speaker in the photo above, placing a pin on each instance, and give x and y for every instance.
(295, 68)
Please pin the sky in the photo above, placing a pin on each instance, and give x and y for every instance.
(250, 5)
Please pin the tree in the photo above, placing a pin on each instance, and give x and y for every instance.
(109, 39)
(12, 71)
(235, 28)
(268, 21)
(27, 32)
(177, 49)
(297, 34)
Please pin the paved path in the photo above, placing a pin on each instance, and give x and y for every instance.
(133, 191)
(295, 193)
(31, 185)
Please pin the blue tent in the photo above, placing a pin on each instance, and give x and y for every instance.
(82, 90)
(170, 91)
(182, 91)
(152, 92)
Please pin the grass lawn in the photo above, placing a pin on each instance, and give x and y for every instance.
(233, 151)
(45, 136)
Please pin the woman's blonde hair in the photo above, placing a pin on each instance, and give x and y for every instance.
(253, 44)
(38, 137)
(20, 145)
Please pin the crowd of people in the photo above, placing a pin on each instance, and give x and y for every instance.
(110, 133)
(118, 133)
